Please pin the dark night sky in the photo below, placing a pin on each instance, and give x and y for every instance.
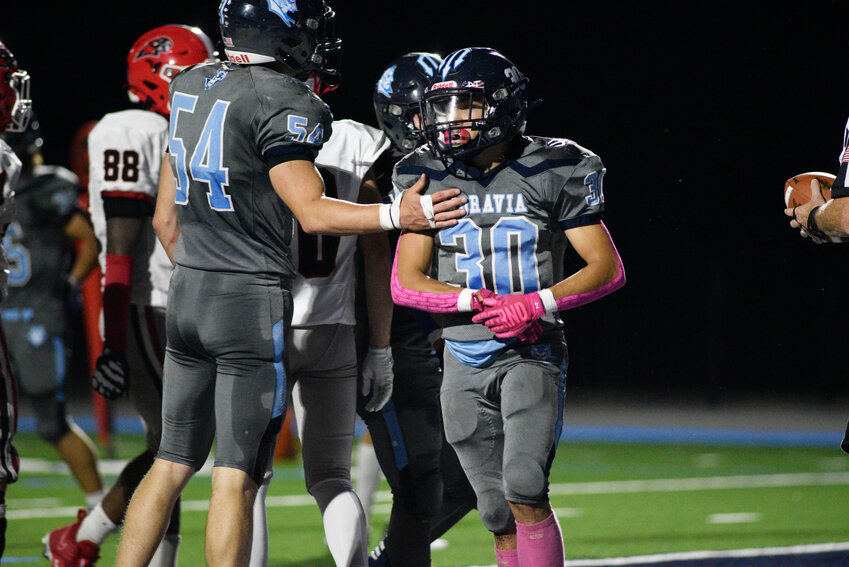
(699, 111)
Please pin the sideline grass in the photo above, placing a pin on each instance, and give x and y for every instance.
(596, 523)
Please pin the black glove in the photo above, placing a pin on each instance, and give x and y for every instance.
(111, 375)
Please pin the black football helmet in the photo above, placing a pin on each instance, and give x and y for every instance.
(15, 104)
(475, 90)
(301, 34)
(397, 96)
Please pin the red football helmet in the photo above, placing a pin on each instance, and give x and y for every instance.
(15, 104)
(160, 54)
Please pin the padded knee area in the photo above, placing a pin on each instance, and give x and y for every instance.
(325, 491)
(524, 480)
(460, 418)
(50, 418)
(495, 512)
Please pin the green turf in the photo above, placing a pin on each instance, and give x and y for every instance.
(597, 520)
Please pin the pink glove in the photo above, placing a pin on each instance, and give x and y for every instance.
(479, 296)
(531, 334)
(510, 315)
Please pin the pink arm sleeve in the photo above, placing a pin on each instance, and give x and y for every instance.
(422, 300)
(572, 301)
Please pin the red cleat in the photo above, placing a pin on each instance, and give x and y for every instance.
(63, 550)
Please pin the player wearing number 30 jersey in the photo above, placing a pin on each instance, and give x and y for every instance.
(500, 285)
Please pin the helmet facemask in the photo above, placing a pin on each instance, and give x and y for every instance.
(18, 87)
(454, 122)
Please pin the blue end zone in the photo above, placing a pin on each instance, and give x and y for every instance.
(684, 435)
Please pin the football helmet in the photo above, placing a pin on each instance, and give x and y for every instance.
(157, 56)
(476, 99)
(27, 143)
(301, 34)
(397, 96)
(15, 104)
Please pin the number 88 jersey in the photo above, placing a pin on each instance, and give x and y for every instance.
(125, 152)
(512, 237)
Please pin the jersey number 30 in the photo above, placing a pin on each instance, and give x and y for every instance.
(206, 162)
(513, 261)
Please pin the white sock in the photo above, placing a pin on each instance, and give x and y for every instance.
(92, 499)
(345, 530)
(259, 543)
(366, 476)
(166, 553)
(97, 526)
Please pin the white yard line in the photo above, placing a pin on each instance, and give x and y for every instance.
(695, 555)
(611, 487)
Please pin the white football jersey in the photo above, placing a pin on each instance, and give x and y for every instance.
(10, 171)
(323, 290)
(125, 151)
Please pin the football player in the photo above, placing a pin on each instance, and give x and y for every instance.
(823, 220)
(44, 281)
(15, 108)
(243, 139)
(126, 149)
(407, 432)
(500, 287)
(322, 354)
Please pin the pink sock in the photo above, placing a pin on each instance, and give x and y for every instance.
(540, 545)
(507, 557)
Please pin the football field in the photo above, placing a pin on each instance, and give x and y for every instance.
(613, 501)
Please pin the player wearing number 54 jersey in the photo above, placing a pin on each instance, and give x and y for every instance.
(501, 284)
(243, 138)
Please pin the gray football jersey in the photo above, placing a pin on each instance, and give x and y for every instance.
(511, 240)
(39, 252)
(227, 122)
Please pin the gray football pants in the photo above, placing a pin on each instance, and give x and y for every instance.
(504, 422)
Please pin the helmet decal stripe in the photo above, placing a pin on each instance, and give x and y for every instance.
(428, 63)
(454, 61)
(284, 9)
(384, 85)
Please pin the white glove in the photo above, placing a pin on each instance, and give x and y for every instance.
(377, 377)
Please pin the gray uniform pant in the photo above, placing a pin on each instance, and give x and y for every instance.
(504, 422)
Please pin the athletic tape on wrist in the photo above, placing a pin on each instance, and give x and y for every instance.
(427, 208)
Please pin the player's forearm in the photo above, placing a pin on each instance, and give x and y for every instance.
(168, 232)
(832, 218)
(595, 280)
(337, 217)
(412, 288)
(85, 260)
(377, 259)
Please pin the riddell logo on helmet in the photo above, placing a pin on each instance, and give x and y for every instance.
(155, 47)
(444, 85)
(239, 58)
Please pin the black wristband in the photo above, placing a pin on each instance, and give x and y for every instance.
(812, 227)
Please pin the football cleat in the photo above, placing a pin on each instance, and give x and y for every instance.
(63, 550)
(378, 557)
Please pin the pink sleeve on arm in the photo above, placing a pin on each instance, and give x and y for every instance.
(427, 300)
(572, 301)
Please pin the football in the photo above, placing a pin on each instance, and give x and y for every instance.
(797, 189)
